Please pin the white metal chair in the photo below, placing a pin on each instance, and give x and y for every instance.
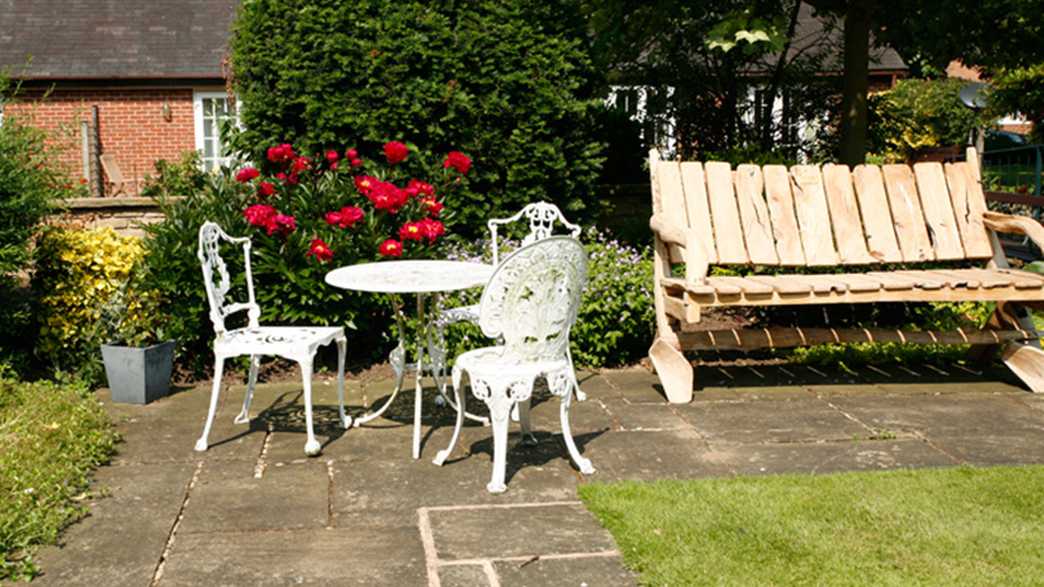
(542, 218)
(530, 303)
(294, 343)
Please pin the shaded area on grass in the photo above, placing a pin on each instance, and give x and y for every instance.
(935, 526)
(51, 437)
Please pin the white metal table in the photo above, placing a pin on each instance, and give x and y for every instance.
(411, 277)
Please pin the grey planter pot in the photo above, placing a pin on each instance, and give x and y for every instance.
(138, 375)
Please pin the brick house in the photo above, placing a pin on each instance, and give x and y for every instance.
(152, 70)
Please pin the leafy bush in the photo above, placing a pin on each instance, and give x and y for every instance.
(29, 183)
(53, 436)
(179, 178)
(1020, 90)
(615, 323)
(305, 215)
(918, 114)
(79, 275)
(506, 82)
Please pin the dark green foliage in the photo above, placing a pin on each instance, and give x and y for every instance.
(53, 436)
(29, 183)
(508, 83)
(1020, 90)
(918, 114)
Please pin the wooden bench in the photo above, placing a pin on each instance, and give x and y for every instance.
(780, 221)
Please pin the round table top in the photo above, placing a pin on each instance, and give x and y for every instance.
(410, 276)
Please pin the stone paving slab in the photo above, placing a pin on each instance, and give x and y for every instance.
(364, 555)
(524, 530)
(783, 420)
(827, 457)
(229, 498)
(254, 510)
(121, 540)
(591, 570)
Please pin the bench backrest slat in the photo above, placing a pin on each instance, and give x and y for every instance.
(781, 209)
(968, 205)
(757, 226)
(819, 216)
(877, 215)
(901, 188)
(813, 215)
(728, 233)
(844, 214)
(942, 226)
(695, 187)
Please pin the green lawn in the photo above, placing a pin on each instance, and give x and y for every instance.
(966, 526)
(51, 437)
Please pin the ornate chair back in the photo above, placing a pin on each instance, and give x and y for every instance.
(531, 300)
(217, 280)
(541, 216)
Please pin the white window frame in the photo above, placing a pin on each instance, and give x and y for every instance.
(198, 96)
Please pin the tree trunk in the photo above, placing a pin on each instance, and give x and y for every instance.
(856, 83)
(777, 79)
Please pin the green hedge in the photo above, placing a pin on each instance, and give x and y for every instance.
(508, 83)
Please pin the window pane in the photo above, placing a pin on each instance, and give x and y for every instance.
(208, 148)
(208, 128)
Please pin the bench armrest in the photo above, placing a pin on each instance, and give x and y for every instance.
(696, 261)
(1012, 224)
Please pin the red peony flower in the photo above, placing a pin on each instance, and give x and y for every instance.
(432, 229)
(412, 231)
(300, 164)
(395, 152)
(259, 215)
(282, 224)
(351, 154)
(320, 250)
(365, 183)
(281, 176)
(246, 174)
(345, 217)
(386, 196)
(356, 162)
(332, 156)
(281, 153)
(390, 248)
(266, 189)
(416, 187)
(433, 206)
(458, 161)
(335, 165)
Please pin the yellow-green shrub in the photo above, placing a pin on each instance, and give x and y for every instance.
(79, 273)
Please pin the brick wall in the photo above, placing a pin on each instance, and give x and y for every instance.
(131, 122)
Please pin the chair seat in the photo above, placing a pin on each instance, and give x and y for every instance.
(276, 340)
(497, 362)
(877, 286)
(459, 314)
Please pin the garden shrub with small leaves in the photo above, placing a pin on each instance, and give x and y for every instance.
(79, 275)
(51, 436)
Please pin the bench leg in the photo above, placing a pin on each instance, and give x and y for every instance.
(1027, 362)
(676, 373)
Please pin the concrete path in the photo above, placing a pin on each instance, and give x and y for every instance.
(254, 511)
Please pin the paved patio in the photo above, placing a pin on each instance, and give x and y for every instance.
(254, 511)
